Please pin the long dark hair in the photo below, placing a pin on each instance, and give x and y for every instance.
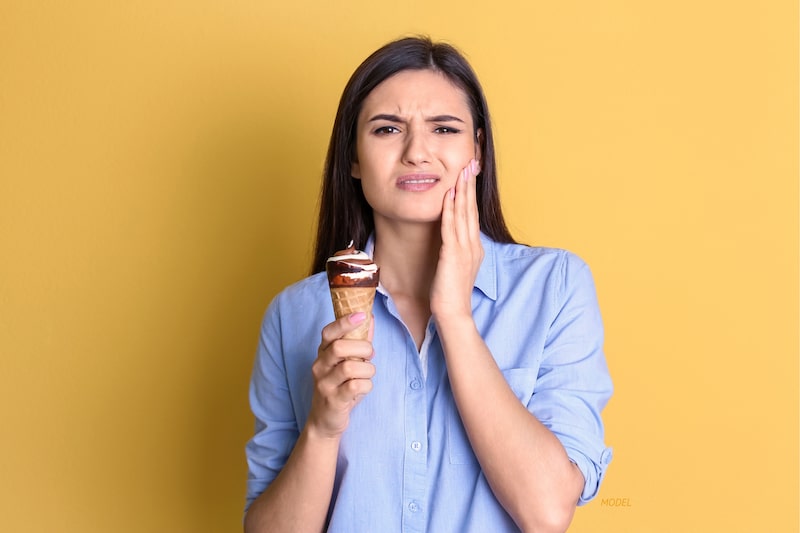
(344, 213)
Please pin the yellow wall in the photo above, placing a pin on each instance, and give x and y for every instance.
(155, 160)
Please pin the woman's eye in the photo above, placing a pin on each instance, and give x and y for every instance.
(385, 130)
(446, 129)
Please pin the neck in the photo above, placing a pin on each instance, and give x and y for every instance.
(408, 257)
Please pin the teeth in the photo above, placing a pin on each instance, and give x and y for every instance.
(421, 181)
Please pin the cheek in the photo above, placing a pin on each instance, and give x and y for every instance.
(459, 158)
(370, 159)
(466, 148)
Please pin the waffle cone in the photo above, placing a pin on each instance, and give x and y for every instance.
(348, 300)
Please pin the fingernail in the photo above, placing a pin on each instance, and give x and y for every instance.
(357, 318)
(476, 167)
(452, 193)
(464, 175)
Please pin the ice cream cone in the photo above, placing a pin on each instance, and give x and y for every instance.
(353, 279)
(349, 300)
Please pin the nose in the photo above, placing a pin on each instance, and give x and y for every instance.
(416, 151)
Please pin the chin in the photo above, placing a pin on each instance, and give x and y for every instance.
(409, 218)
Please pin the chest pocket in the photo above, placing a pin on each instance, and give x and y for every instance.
(521, 380)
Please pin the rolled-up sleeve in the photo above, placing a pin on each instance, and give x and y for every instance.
(276, 428)
(573, 384)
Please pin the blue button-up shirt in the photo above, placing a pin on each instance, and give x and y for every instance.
(405, 463)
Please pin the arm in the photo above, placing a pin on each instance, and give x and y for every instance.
(528, 469)
(297, 500)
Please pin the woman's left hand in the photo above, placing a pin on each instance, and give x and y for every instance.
(461, 253)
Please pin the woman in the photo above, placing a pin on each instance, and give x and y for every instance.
(475, 404)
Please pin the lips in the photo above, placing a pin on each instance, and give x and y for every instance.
(417, 182)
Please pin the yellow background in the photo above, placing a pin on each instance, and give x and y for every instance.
(159, 170)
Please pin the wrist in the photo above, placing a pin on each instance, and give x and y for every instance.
(314, 434)
(456, 325)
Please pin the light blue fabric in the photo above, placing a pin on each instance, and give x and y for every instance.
(405, 463)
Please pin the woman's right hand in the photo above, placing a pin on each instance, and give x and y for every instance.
(342, 376)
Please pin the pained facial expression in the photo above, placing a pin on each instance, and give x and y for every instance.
(414, 136)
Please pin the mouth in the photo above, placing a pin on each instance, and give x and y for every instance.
(417, 182)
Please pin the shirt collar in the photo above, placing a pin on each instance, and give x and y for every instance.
(485, 281)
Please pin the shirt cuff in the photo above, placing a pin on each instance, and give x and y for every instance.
(593, 473)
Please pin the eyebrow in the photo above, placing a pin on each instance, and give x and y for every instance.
(395, 118)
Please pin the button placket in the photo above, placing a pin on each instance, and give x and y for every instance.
(415, 464)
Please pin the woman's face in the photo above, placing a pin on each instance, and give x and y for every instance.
(414, 136)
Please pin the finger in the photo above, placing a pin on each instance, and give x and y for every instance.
(353, 369)
(448, 205)
(341, 396)
(345, 377)
(370, 335)
(461, 208)
(332, 353)
(331, 373)
(354, 390)
(342, 349)
(338, 328)
(473, 223)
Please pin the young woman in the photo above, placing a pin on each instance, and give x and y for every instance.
(475, 404)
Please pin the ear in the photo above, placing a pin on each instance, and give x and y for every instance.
(355, 170)
(479, 146)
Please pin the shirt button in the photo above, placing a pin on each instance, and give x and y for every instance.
(416, 384)
(416, 445)
(413, 507)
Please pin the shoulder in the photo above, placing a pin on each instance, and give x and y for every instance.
(309, 287)
(512, 268)
(293, 320)
(302, 298)
(510, 258)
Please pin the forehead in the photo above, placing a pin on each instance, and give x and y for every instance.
(412, 91)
